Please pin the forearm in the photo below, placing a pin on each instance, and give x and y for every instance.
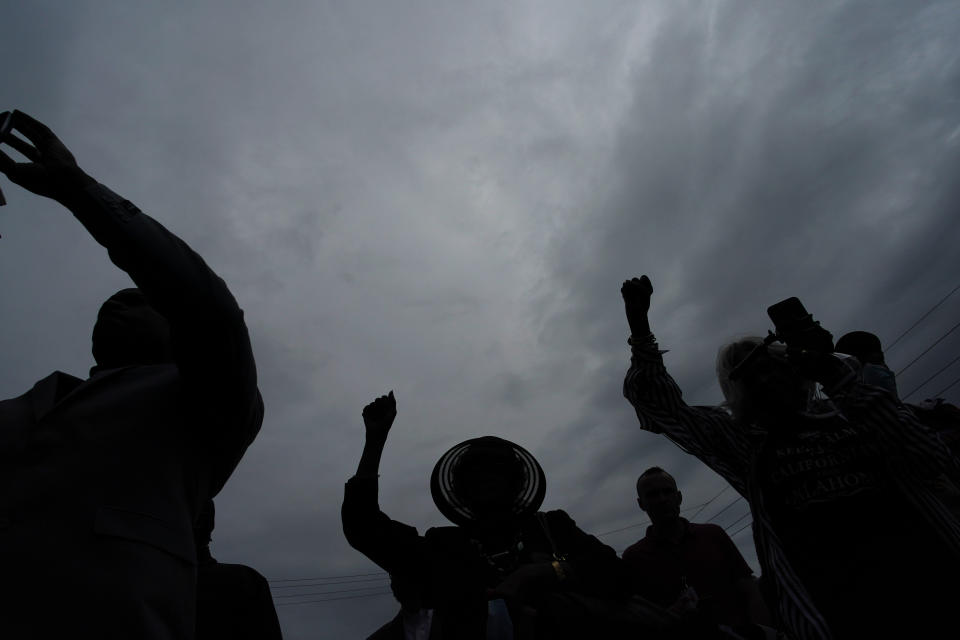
(174, 278)
(369, 466)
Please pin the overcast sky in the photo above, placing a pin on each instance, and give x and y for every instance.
(444, 199)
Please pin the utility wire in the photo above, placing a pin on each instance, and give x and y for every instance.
(367, 595)
(938, 341)
(645, 522)
(949, 386)
(923, 384)
(694, 516)
(740, 529)
(736, 522)
(323, 593)
(355, 575)
(735, 501)
(325, 584)
(932, 309)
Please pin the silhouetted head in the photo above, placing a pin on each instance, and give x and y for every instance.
(487, 482)
(130, 332)
(866, 348)
(863, 346)
(658, 496)
(767, 386)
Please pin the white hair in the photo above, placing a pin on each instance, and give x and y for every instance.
(728, 357)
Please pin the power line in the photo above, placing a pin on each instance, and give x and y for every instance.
(938, 341)
(737, 521)
(932, 309)
(740, 529)
(355, 575)
(326, 584)
(323, 593)
(645, 522)
(922, 384)
(694, 516)
(949, 386)
(735, 501)
(367, 595)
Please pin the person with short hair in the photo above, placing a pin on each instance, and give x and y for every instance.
(689, 568)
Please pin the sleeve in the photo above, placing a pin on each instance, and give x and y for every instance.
(909, 445)
(709, 433)
(211, 344)
(596, 567)
(391, 545)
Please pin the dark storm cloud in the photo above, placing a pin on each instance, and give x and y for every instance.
(444, 201)
(769, 151)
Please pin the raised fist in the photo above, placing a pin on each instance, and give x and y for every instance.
(378, 416)
(636, 299)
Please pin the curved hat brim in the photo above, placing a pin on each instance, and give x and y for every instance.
(527, 500)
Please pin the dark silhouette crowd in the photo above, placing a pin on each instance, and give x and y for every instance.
(107, 484)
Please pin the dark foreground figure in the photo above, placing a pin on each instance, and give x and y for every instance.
(551, 579)
(233, 600)
(694, 570)
(849, 530)
(101, 479)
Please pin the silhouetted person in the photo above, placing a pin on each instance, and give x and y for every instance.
(936, 413)
(501, 548)
(101, 479)
(691, 569)
(233, 600)
(865, 347)
(846, 522)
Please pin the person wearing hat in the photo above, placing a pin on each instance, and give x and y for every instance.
(452, 581)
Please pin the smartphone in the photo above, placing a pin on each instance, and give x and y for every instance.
(797, 328)
(789, 316)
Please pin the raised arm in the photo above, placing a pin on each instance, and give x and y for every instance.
(709, 433)
(210, 341)
(392, 545)
(909, 445)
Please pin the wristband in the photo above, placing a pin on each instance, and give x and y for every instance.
(636, 341)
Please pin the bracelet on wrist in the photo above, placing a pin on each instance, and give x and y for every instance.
(637, 341)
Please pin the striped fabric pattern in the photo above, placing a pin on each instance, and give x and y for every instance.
(914, 455)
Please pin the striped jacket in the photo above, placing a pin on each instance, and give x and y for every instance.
(913, 455)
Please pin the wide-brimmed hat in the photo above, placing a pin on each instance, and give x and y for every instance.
(529, 496)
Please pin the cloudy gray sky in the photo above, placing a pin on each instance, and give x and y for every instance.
(443, 200)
